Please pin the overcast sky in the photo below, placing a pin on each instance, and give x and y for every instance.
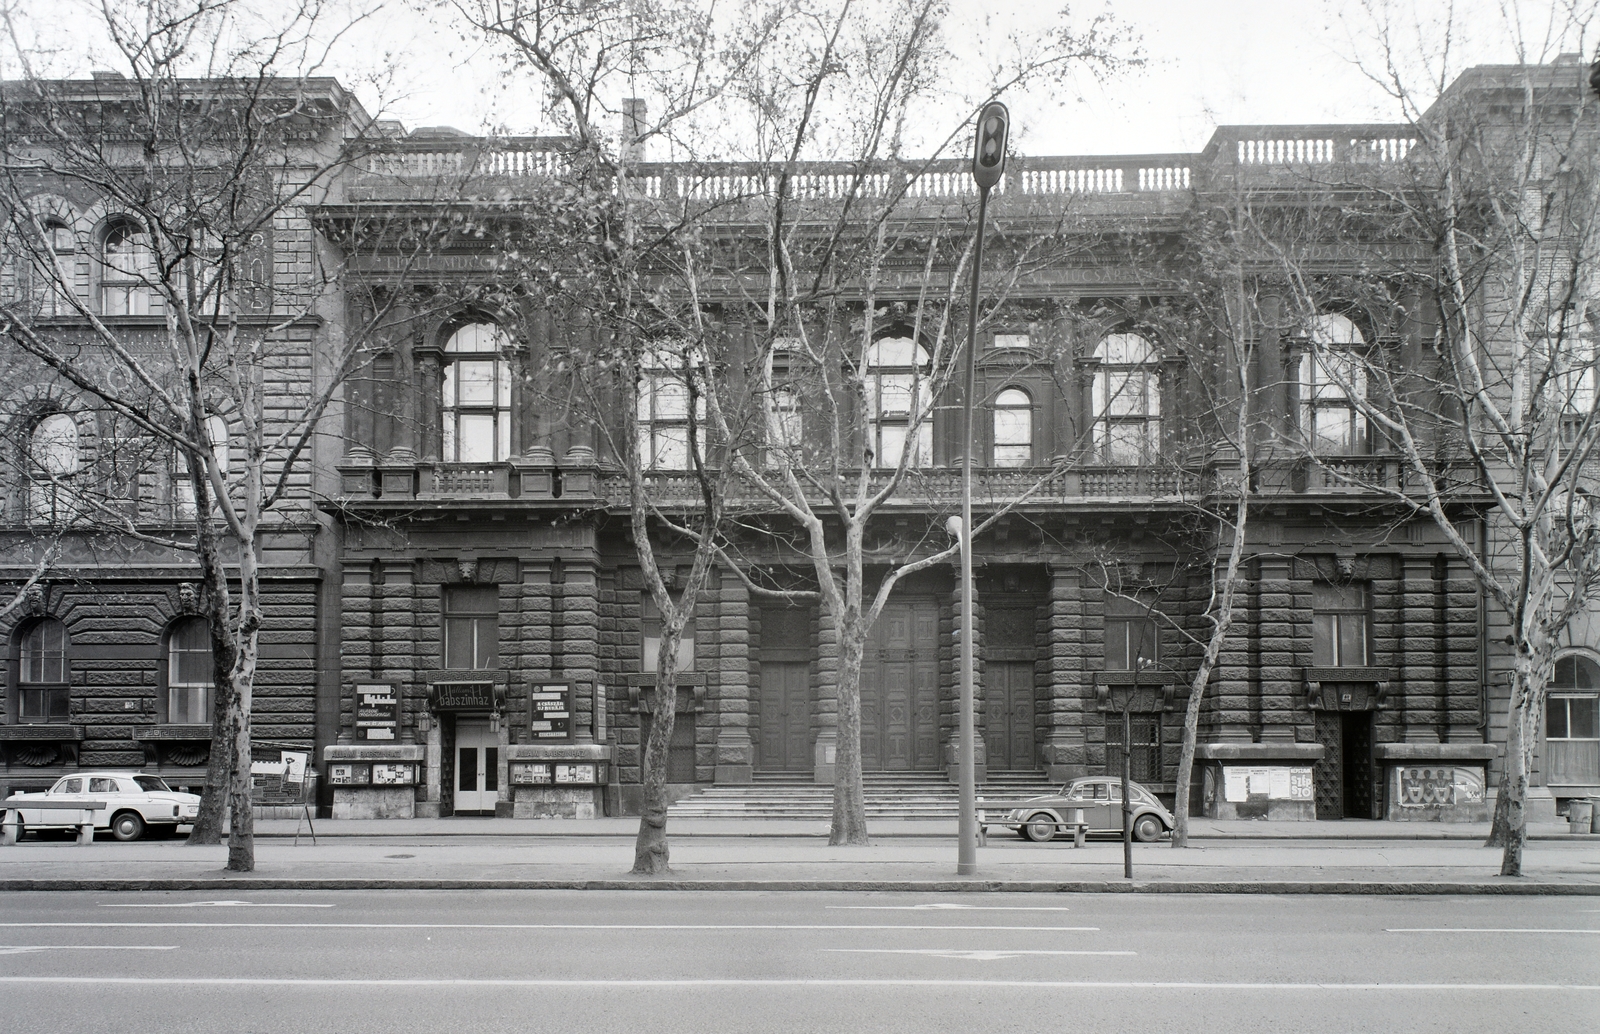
(1208, 63)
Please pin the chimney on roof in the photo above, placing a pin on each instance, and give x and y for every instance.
(101, 73)
(633, 116)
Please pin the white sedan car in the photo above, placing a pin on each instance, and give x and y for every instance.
(135, 802)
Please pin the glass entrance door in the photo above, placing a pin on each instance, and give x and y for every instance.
(477, 766)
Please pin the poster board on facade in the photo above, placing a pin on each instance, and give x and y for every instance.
(575, 774)
(350, 774)
(394, 774)
(525, 773)
(550, 711)
(377, 711)
(1273, 783)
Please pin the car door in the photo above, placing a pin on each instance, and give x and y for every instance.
(1102, 815)
(103, 788)
(67, 788)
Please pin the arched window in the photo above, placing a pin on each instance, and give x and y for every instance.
(477, 395)
(1127, 400)
(1332, 383)
(1013, 428)
(1572, 723)
(663, 409)
(52, 463)
(189, 672)
(899, 401)
(43, 673)
(785, 424)
(127, 271)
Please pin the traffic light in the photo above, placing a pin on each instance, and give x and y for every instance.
(989, 151)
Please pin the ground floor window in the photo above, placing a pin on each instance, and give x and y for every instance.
(1572, 723)
(1144, 760)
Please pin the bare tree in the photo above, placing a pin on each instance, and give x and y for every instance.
(1497, 429)
(199, 160)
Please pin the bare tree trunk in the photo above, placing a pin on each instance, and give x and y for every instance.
(849, 803)
(651, 855)
(241, 820)
(1509, 830)
(208, 825)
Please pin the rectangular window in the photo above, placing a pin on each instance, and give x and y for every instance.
(1011, 341)
(1572, 733)
(650, 625)
(1340, 619)
(472, 627)
(41, 704)
(1131, 636)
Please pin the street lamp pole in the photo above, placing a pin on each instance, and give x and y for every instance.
(988, 165)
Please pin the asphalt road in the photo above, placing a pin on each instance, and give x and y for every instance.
(582, 961)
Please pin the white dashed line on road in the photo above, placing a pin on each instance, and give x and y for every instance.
(975, 954)
(206, 904)
(952, 906)
(23, 949)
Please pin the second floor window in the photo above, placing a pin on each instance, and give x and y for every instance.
(477, 395)
(183, 502)
(189, 672)
(127, 272)
(1570, 351)
(1127, 400)
(1332, 385)
(650, 625)
(900, 403)
(52, 464)
(1131, 639)
(42, 682)
(1013, 428)
(1340, 620)
(664, 410)
(471, 627)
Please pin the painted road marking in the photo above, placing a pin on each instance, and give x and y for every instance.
(952, 906)
(976, 954)
(22, 949)
(206, 904)
(1479, 930)
(542, 926)
(1118, 985)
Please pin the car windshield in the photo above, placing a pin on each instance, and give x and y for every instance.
(150, 784)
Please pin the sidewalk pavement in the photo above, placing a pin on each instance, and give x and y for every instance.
(752, 854)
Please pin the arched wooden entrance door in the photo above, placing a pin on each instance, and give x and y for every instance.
(900, 689)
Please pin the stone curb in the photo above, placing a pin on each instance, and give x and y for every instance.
(1352, 887)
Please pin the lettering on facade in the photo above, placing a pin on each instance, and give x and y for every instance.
(463, 696)
(377, 711)
(550, 711)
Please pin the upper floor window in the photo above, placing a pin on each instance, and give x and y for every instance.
(899, 402)
(667, 380)
(650, 624)
(42, 679)
(127, 271)
(1013, 428)
(1570, 350)
(472, 627)
(1340, 620)
(477, 395)
(1131, 640)
(53, 270)
(1127, 400)
(52, 464)
(1333, 383)
(183, 501)
(189, 672)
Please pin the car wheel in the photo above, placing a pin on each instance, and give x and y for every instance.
(1040, 828)
(125, 825)
(1147, 829)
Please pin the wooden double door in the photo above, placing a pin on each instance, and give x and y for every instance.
(900, 690)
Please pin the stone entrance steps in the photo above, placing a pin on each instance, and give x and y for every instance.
(888, 795)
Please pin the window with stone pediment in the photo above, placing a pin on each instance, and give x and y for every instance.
(1127, 400)
(1333, 382)
(477, 395)
(899, 402)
